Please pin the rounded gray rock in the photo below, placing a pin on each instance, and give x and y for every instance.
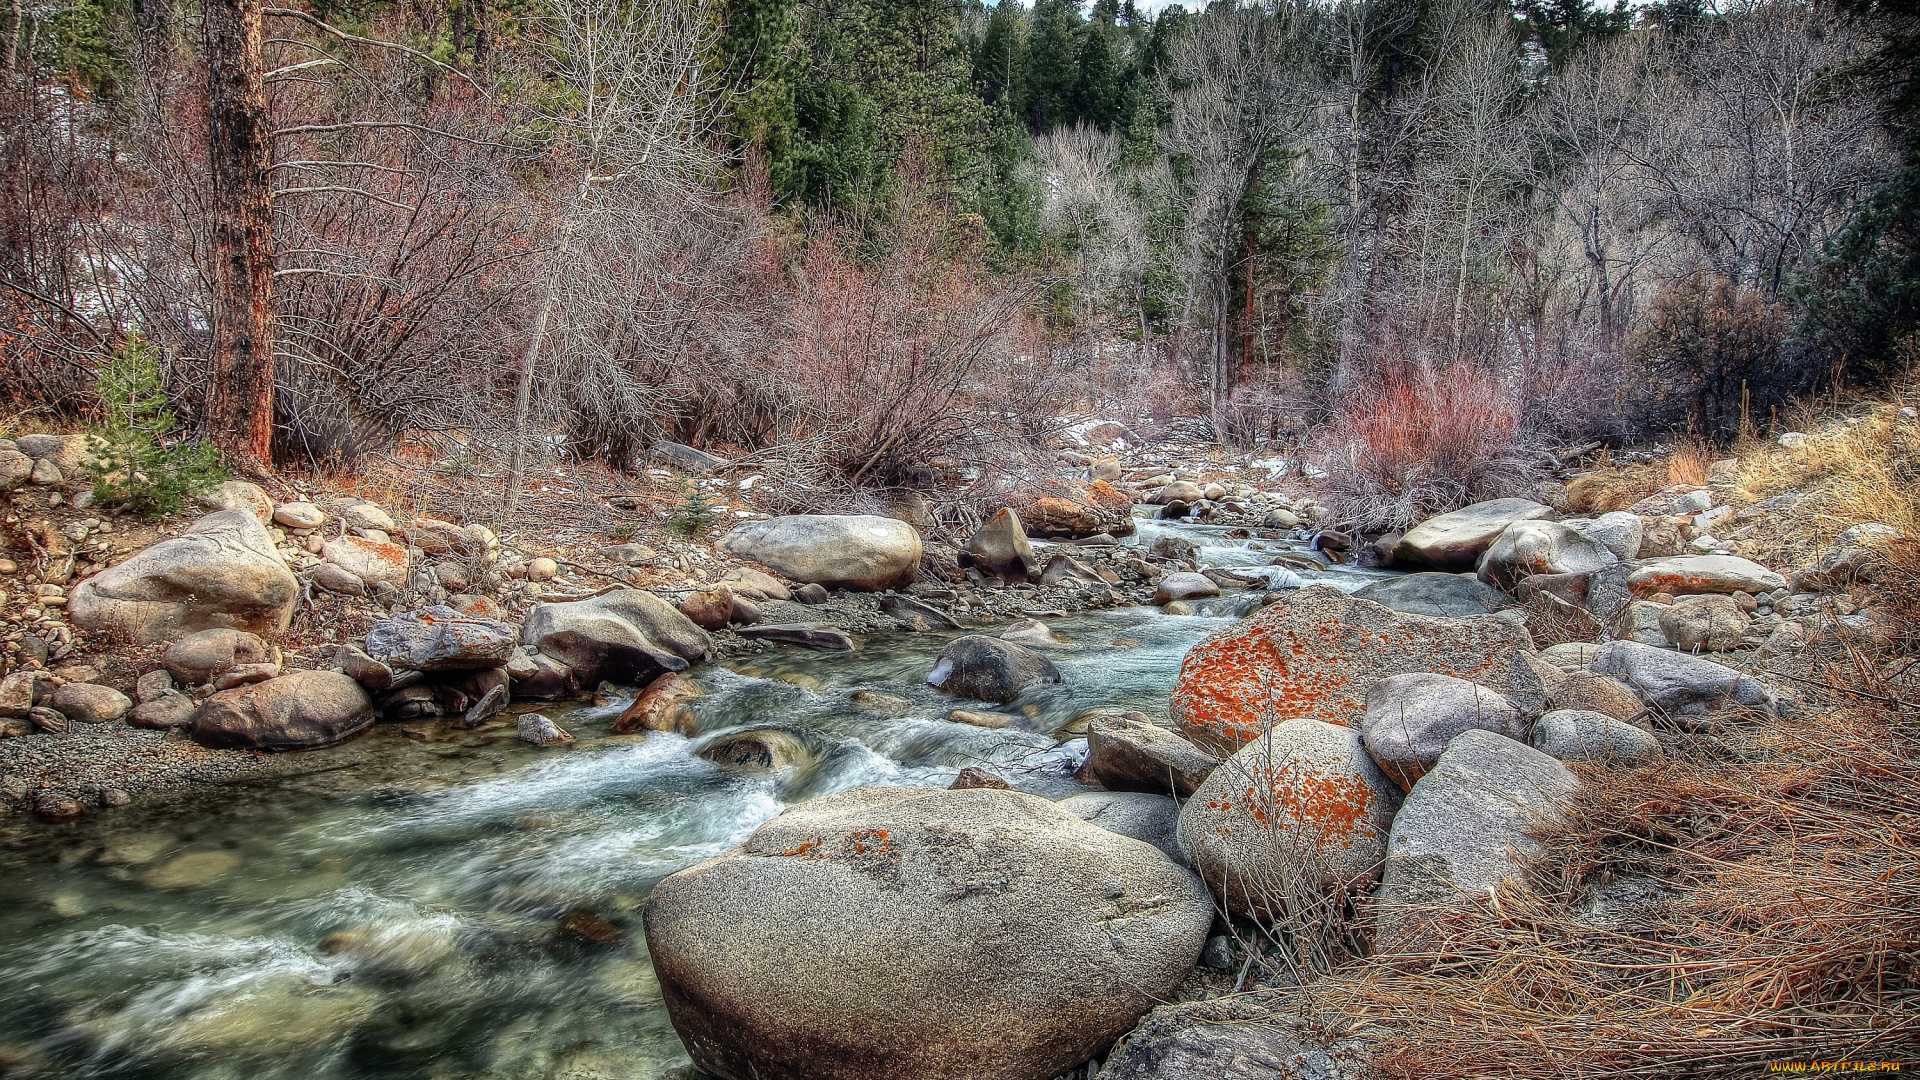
(942, 935)
(989, 669)
(1577, 735)
(1411, 718)
(298, 711)
(851, 551)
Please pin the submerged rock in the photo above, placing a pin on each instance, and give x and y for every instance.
(541, 731)
(939, 935)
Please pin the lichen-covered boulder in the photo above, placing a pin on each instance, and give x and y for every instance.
(440, 639)
(1296, 817)
(1314, 653)
(1083, 510)
(1684, 575)
(882, 933)
(221, 572)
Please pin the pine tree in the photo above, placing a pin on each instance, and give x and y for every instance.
(1052, 64)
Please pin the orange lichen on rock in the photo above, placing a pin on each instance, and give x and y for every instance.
(1313, 655)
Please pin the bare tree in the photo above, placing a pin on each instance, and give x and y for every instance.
(1239, 96)
(644, 111)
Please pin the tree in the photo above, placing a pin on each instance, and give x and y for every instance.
(239, 408)
(1052, 55)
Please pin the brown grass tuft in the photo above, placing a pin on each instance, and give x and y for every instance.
(1846, 473)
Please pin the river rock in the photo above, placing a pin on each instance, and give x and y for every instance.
(849, 551)
(1152, 819)
(334, 579)
(1576, 688)
(1689, 574)
(1085, 510)
(1455, 541)
(71, 454)
(91, 703)
(200, 657)
(166, 712)
(760, 750)
(1184, 586)
(298, 711)
(665, 705)
(812, 636)
(1297, 817)
(1017, 940)
(1640, 621)
(1411, 719)
(368, 560)
(710, 608)
(755, 585)
(540, 730)
(360, 514)
(1617, 531)
(1441, 596)
(1526, 548)
(627, 636)
(1574, 735)
(299, 515)
(1000, 548)
(18, 692)
(539, 677)
(153, 684)
(1856, 555)
(1062, 569)
(222, 572)
(1313, 654)
(238, 495)
(975, 777)
(1680, 684)
(1233, 1038)
(1128, 752)
(1032, 633)
(245, 674)
(1703, 623)
(1179, 491)
(988, 669)
(917, 616)
(16, 469)
(1463, 827)
(440, 639)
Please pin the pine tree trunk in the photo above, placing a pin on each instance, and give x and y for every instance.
(240, 242)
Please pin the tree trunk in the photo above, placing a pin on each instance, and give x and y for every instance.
(240, 241)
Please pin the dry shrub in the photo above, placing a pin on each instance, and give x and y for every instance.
(1617, 487)
(1421, 441)
(1845, 474)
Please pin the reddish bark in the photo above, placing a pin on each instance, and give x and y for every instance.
(240, 236)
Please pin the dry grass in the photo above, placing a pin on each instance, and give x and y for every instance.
(1617, 487)
(1846, 474)
(1786, 853)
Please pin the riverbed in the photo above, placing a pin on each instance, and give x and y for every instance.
(436, 903)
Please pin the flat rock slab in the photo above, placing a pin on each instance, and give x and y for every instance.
(1455, 541)
(1683, 574)
(813, 637)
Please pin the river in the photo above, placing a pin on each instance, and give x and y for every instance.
(436, 903)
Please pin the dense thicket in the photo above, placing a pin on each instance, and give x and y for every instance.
(594, 223)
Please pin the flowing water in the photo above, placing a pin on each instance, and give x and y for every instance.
(446, 904)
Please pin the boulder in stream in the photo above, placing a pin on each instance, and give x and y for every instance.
(989, 669)
(849, 551)
(908, 932)
(628, 636)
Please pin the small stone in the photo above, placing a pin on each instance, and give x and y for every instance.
(46, 473)
(154, 684)
(245, 675)
(981, 719)
(811, 594)
(973, 777)
(299, 515)
(112, 796)
(54, 806)
(542, 569)
(541, 731)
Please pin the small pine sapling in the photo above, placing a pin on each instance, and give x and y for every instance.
(133, 467)
(695, 513)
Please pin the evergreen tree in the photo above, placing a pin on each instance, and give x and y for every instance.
(1000, 61)
(1097, 85)
(1052, 62)
(758, 51)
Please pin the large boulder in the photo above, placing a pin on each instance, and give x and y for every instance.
(1680, 684)
(1527, 548)
(1455, 541)
(1294, 820)
(238, 495)
(1857, 555)
(849, 551)
(1464, 826)
(989, 669)
(1443, 596)
(298, 711)
(90, 703)
(1617, 531)
(1314, 653)
(1233, 1038)
(999, 548)
(1128, 752)
(1085, 510)
(440, 639)
(1686, 574)
(628, 635)
(221, 572)
(1411, 718)
(882, 933)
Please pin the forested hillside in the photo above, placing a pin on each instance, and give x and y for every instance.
(622, 220)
